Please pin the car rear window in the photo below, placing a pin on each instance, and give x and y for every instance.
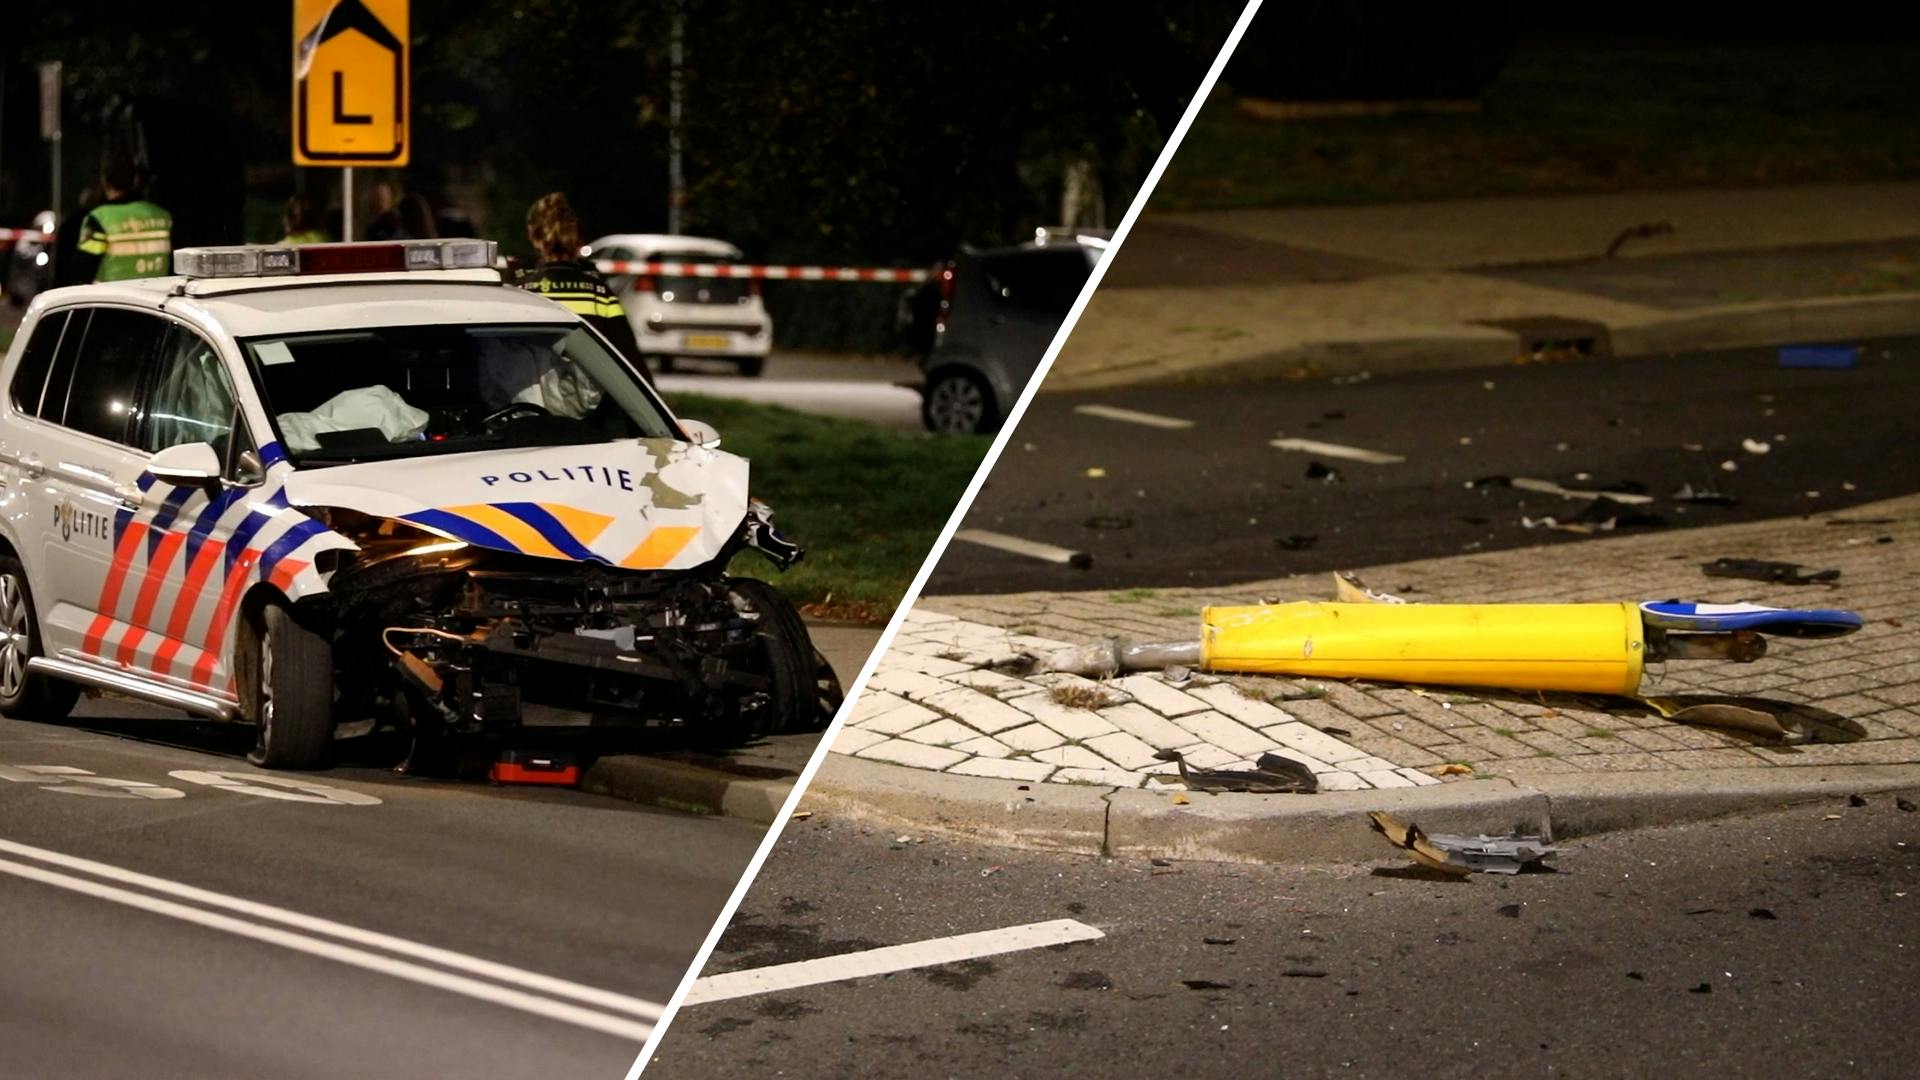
(1047, 281)
(693, 288)
(30, 378)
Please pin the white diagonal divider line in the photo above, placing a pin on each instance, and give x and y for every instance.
(1335, 450)
(887, 960)
(953, 522)
(506, 973)
(593, 1019)
(1130, 416)
(1032, 549)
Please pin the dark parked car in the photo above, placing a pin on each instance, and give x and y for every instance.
(985, 321)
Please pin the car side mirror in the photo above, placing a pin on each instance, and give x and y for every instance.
(186, 465)
(701, 434)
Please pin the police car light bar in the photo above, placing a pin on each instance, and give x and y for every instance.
(261, 260)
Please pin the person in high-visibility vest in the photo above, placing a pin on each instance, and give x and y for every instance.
(299, 223)
(125, 236)
(572, 282)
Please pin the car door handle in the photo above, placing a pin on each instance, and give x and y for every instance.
(30, 466)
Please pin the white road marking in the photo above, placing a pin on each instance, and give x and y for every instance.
(883, 961)
(1335, 450)
(345, 954)
(547, 984)
(1128, 416)
(1032, 549)
(287, 788)
(1548, 487)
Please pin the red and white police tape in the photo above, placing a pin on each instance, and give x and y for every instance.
(9, 236)
(764, 273)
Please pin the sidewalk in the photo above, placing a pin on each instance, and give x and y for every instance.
(931, 708)
(1340, 290)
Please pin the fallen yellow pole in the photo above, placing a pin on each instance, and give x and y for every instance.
(1589, 648)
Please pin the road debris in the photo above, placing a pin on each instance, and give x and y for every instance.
(1778, 573)
(1348, 588)
(1463, 855)
(1703, 496)
(1322, 472)
(1296, 542)
(1755, 446)
(1271, 775)
(1626, 493)
(1720, 715)
(1905, 805)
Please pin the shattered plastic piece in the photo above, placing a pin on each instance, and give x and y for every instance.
(1463, 855)
(1755, 446)
(1706, 496)
(1272, 775)
(1349, 589)
(1780, 573)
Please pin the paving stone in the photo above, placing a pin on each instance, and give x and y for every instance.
(1148, 726)
(1645, 739)
(902, 718)
(872, 704)
(1385, 778)
(984, 746)
(979, 711)
(925, 665)
(1397, 751)
(852, 740)
(909, 684)
(1229, 700)
(942, 733)
(1205, 756)
(1228, 734)
(919, 616)
(1030, 737)
(1123, 750)
(1340, 781)
(1070, 723)
(991, 682)
(1155, 694)
(1418, 778)
(1031, 772)
(1074, 757)
(1368, 764)
(1298, 736)
(913, 754)
(1098, 777)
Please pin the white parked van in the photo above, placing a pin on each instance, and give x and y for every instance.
(694, 307)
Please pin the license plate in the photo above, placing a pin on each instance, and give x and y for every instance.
(708, 341)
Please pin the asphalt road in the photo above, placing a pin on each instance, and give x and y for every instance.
(1215, 503)
(111, 976)
(857, 388)
(1781, 944)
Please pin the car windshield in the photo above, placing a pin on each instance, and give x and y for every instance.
(408, 391)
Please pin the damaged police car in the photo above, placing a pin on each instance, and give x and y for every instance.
(306, 488)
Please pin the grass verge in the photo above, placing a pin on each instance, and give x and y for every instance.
(1582, 120)
(865, 501)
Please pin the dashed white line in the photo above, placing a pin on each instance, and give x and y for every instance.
(638, 1029)
(1335, 450)
(1129, 416)
(1032, 549)
(887, 960)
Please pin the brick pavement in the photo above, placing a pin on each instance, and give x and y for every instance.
(932, 705)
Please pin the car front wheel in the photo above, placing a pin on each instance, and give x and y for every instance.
(291, 691)
(958, 402)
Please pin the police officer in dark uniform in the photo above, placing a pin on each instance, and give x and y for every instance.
(571, 281)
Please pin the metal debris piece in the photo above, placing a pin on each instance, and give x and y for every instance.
(1271, 775)
(1463, 855)
(1720, 715)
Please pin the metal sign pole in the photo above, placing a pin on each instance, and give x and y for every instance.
(346, 203)
(676, 177)
(50, 123)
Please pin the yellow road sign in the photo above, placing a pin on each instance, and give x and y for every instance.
(350, 74)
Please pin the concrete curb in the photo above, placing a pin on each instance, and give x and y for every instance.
(679, 785)
(1326, 828)
(1751, 325)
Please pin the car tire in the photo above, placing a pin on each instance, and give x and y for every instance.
(288, 686)
(787, 658)
(958, 402)
(752, 366)
(25, 695)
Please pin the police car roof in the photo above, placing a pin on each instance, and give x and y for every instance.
(253, 307)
